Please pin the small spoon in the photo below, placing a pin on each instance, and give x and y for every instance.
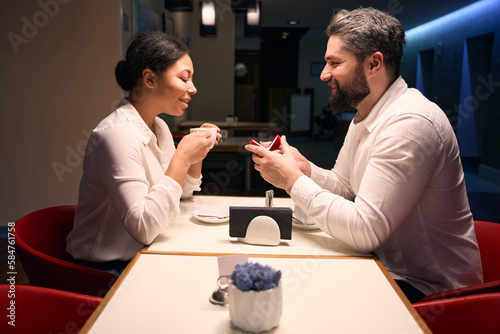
(301, 222)
(212, 216)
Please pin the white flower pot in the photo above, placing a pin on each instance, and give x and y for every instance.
(255, 311)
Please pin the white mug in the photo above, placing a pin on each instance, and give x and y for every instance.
(213, 133)
(231, 119)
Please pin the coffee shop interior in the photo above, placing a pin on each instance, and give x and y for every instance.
(257, 66)
(58, 83)
(255, 79)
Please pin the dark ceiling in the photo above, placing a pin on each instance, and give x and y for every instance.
(316, 13)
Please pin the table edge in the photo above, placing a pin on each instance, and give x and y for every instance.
(416, 316)
(291, 256)
(97, 312)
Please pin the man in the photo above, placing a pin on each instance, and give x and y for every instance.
(397, 187)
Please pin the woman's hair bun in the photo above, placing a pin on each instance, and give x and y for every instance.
(125, 76)
(155, 50)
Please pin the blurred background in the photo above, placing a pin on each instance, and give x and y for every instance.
(57, 83)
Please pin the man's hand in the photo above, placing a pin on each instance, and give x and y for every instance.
(279, 169)
(302, 162)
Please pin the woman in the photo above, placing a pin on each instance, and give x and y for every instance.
(133, 176)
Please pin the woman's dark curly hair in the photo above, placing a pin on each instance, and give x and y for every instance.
(152, 49)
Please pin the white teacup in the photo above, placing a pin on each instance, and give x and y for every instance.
(212, 131)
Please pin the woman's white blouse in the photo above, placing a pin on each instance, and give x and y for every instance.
(125, 199)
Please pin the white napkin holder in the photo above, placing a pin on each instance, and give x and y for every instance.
(260, 225)
(262, 230)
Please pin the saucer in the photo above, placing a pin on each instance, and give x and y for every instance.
(212, 214)
(303, 226)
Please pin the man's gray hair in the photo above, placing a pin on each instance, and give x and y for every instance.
(367, 30)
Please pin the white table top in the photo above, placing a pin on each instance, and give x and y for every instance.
(169, 294)
(189, 235)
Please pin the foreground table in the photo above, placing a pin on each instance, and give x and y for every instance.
(187, 235)
(169, 294)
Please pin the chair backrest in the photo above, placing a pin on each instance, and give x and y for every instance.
(488, 239)
(43, 310)
(46, 230)
(41, 246)
(462, 315)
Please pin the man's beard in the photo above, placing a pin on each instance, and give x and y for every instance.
(350, 94)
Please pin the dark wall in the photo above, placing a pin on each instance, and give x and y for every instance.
(476, 28)
(279, 61)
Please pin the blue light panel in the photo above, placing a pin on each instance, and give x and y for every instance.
(476, 9)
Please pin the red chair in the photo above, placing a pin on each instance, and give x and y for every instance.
(41, 246)
(42, 310)
(488, 239)
(469, 314)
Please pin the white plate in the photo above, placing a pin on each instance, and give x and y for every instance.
(216, 211)
(302, 226)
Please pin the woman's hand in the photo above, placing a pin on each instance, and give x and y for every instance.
(191, 151)
(194, 147)
(210, 125)
(187, 159)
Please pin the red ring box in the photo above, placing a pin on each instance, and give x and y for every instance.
(275, 144)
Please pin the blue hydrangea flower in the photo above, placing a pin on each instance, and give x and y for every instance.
(254, 276)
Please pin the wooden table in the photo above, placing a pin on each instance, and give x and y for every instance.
(187, 235)
(233, 144)
(239, 126)
(232, 151)
(169, 294)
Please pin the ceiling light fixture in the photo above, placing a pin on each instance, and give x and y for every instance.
(207, 18)
(253, 16)
(253, 21)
